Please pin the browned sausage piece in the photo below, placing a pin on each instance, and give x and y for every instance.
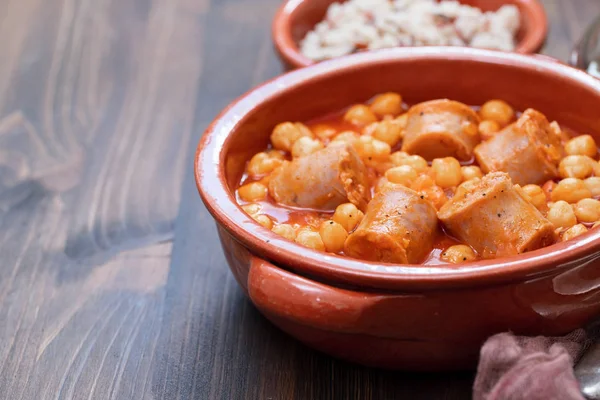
(398, 227)
(441, 128)
(322, 180)
(496, 219)
(528, 150)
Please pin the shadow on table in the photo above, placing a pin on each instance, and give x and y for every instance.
(276, 366)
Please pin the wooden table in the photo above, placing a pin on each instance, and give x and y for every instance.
(112, 282)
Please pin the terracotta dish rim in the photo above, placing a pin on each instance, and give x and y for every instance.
(211, 182)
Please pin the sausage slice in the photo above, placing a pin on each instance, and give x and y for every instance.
(441, 128)
(496, 219)
(528, 150)
(399, 226)
(322, 180)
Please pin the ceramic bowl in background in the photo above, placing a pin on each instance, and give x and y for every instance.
(415, 317)
(296, 17)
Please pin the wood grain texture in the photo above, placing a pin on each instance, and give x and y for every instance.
(112, 281)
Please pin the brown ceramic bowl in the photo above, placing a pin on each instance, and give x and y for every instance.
(401, 316)
(296, 17)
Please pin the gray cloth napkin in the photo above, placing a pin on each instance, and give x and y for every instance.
(530, 368)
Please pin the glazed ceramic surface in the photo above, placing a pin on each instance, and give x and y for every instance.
(296, 17)
(401, 316)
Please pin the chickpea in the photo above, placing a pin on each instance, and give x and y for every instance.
(561, 215)
(305, 146)
(595, 167)
(276, 154)
(497, 110)
(346, 136)
(264, 220)
(417, 162)
(370, 129)
(404, 175)
(573, 232)
(593, 184)
(310, 239)
(422, 182)
(369, 148)
(398, 156)
(570, 190)
(263, 155)
(381, 149)
(402, 120)
(587, 210)
(387, 104)
(381, 166)
(458, 253)
(364, 146)
(360, 114)
(389, 132)
(470, 172)
(576, 167)
(583, 145)
(285, 230)
(348, 216)
(536, 196)
(435, 195)
(333, 236)
(488, 128)
(252, 208)
(304, 130)
(470, 128)
(324, 132)
(262, 163)
(285, 135)
(253, 191)
(597, 224)
(447, 172)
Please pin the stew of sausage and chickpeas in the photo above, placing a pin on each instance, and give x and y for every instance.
(438, 182)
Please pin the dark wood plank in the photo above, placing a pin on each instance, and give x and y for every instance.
(97, 107)
(112, 282)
